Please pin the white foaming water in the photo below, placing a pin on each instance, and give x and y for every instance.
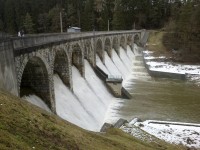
(111, 66)
(35, 100)
(130, 54)
(126, 61)
(92, 94)
(88, 105)
(101, 65)
(98, 87)
(138, 71)
(119, 64)
(69, 107)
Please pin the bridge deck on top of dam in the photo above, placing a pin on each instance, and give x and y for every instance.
(43, 39)
(30, 62)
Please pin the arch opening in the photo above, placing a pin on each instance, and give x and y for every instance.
(62, 67)
(88, 53)
(77, 59)
(108, 47)
(116, 45)
(35, 80)
(99, 50)
(129, 40)
(136, 39)
(122, 42)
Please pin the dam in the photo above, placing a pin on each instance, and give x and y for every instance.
(57, 72)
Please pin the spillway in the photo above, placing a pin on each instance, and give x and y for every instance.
(109, 64)
(119, 64)
(87, 105)
(35, 100)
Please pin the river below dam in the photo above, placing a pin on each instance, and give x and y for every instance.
(156, 98)
(91, 104)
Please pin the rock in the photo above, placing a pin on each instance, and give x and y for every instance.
(105, 127)
(133, 121)
(119, 123)
(128, 125)
(141, 125)
(189, 141)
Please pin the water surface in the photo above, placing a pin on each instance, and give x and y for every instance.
(159, 99)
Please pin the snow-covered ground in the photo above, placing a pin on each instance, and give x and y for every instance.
(169, 66)
(192, 72)
(185, 134)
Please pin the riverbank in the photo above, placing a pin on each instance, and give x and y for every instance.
(186, 134)
(162, 66)
(169, 44)
(25, 126)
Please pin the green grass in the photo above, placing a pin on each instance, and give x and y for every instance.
(24, 126)
(156, 42)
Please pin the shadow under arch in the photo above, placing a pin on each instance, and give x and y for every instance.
(35, 80)
(123, 42)
(99, 49)
(116, 44)
(108, 47)
(62, 67)
(78, 59)
(88, 52)
(130, 41)
(136, 39)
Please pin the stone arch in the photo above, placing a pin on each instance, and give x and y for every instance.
(77, 58)
(130, 41)
(116, 44)
(108, 47)
(99, 49)
(136, 39)
(62, 66)
(89, 53)
(36, 78)
(123, 42)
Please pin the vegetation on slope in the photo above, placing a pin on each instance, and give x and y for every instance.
(24, 126)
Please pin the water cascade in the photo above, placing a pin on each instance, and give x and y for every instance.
(87, 106)
(33, 99)
(119, 64)
(111, 66)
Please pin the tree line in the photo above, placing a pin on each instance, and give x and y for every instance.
(42, 16)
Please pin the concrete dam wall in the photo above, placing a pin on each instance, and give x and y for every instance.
(8, 79)
(41, 68)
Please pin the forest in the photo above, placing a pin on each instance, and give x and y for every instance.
(42, 16)
(180, 17)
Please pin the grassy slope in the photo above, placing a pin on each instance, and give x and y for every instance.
(157, 43)
(24, 126)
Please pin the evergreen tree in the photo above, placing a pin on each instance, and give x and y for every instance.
(10, 20)
(43, 22)
(118, 21)
(88, 16)
(54, 19)
(1, 26)
(28, 24)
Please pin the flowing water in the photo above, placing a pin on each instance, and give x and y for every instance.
(159, 99)
(90, 104)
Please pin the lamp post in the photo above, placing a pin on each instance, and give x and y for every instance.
(108, 25)
(61, 22)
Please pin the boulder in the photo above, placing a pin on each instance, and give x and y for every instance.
(120, 122)
(105, 127)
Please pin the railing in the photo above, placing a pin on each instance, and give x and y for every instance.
(41, 39)
(101, 73)
(115, 77)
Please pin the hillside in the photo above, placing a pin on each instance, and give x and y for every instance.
(24, 126)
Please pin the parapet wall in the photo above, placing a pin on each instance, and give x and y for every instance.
(8, 80)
